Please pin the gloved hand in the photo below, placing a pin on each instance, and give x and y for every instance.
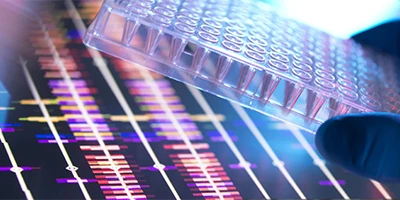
(366, 144)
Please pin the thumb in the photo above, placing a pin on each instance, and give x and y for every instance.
(364, 144)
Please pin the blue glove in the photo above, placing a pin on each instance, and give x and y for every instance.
(366, 144)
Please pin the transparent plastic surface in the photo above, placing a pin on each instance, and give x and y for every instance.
(245, 52)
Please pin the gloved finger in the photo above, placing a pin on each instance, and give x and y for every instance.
(364, 144)
(384, 37)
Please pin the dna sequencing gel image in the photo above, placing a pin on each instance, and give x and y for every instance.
(81, 124)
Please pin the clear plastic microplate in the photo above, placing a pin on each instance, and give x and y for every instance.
(245, 52)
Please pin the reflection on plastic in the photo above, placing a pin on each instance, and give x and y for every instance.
(244, 52)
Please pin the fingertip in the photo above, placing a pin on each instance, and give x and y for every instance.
(320, 135)
(364, 144)
(384, 37)
(333, 139)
